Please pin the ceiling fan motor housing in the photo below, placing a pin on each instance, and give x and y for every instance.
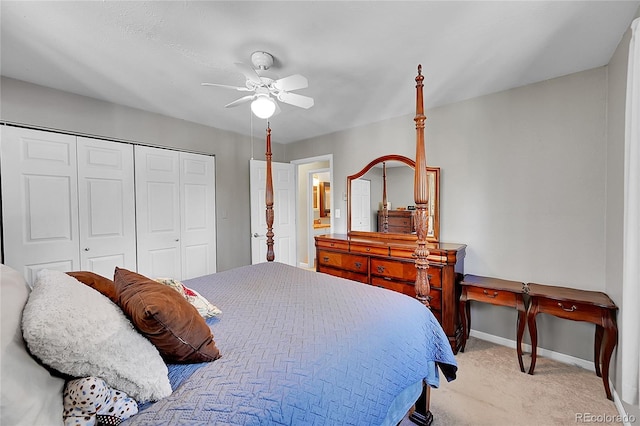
(261, 60)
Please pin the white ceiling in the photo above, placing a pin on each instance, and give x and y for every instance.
(360, 57)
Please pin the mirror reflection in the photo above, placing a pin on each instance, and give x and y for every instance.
(389, 179)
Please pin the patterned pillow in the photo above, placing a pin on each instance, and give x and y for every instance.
(204, 307)
(90, 401)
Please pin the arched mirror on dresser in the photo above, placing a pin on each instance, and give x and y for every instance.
(380, 244)
(380, 199)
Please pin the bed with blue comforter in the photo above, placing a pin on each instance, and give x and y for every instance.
(305, 348)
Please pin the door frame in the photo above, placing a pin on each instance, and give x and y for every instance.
(310, 242)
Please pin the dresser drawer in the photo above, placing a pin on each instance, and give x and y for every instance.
(435, 276)
(354, 276)
(369, 249)
(492, 296)
(390, 284)
(346, 261)
(435, 300)
(570, 310)
(405, 271)
(333, 244)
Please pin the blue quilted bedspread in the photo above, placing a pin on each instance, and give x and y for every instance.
(302, 348)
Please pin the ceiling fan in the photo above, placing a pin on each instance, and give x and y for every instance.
(266, 88)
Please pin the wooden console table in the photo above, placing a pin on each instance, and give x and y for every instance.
(496, 292)
(577, 305)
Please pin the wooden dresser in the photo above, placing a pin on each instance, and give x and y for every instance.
(398, 221)
(389, 263)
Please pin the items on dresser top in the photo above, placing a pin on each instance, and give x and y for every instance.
(390, 263)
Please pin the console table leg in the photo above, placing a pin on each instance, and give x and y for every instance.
(521, 321)
(597, 349)
(533, 332)
(465, 321)
(610, 340)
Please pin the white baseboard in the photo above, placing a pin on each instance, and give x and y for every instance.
(557, 356)
(560, 357)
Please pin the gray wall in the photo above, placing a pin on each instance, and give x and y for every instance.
(38, 106)
(523, 184)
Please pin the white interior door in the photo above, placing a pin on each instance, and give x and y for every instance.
(284, 225)
(39, 201)
(361, 205)
(157, 174)
(106, 206)
(197, 213)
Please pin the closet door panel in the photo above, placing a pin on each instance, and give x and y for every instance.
(107, 206)
(157, 176)
(197, 209)
(39, 200)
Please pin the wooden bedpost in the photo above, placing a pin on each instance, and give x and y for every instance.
(269, 199)
(421, 196)
(422, 415)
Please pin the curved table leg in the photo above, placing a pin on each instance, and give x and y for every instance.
(521, 321)
(597, 349)
(533, 332)
(610, 340)
(466, 320)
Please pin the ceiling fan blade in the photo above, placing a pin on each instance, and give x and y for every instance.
(240, 101)
(226, 86)
(295, 99)
(250, 74)
(293, 82)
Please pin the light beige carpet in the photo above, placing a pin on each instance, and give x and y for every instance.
(491, 390)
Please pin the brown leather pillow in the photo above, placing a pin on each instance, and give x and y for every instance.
(97, 282)
(166, 318)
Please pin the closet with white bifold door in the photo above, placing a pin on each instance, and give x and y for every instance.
(70, 203)
(175, 207)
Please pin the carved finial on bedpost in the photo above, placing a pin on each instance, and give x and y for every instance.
(421, 196)
(269, 199)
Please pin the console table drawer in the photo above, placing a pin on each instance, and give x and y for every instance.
(393, 269)
(572, 310)
(492, 296)
(346, 261)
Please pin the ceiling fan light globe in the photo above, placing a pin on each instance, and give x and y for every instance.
(263, 107)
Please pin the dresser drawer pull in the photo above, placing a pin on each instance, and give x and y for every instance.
(571, 309)
(429, 277)
(380, 269)
(368, 248)
(358, 265)
(386, 278)
(326, 259)
(486, 293)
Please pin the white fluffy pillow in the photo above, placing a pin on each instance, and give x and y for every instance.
(78, 331)
(30, 395)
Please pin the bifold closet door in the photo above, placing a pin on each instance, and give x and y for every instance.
(175, 206)
(197, 215)
(106, 205)
(39, 201)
